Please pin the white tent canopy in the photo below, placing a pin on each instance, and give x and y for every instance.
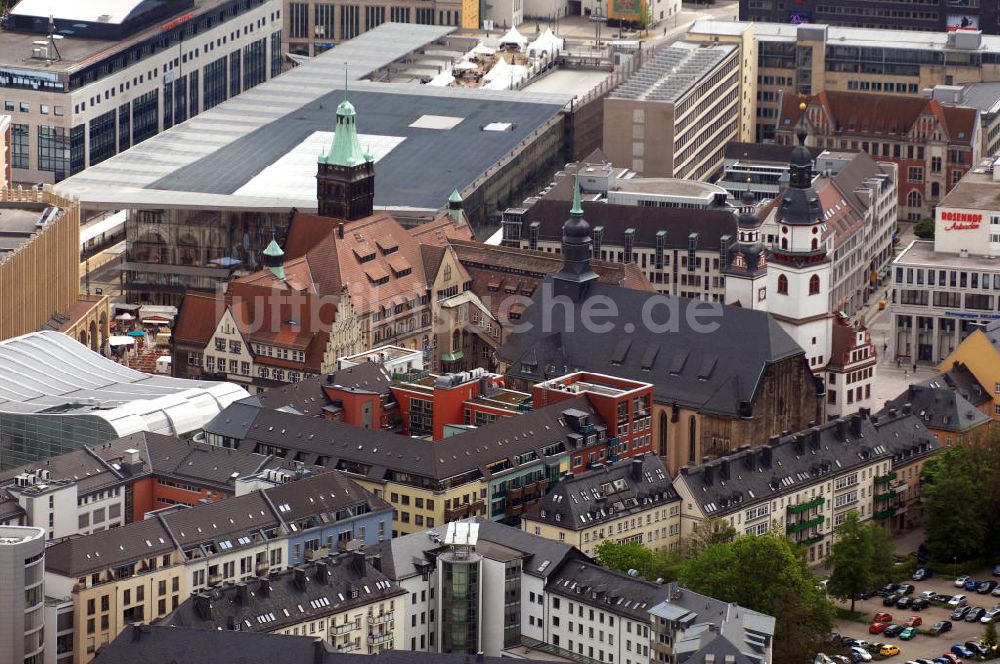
(121, 341)
(442, 80)
(465, 65)
(547, 42)
(483, 49)
(504, 76)
(514, 37)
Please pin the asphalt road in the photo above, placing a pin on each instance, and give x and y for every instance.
(923, 646)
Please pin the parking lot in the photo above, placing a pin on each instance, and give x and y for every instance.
(922, 646)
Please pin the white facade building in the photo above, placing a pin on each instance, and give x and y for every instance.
(22, 594)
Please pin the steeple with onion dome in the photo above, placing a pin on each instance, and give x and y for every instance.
(576, 243)
(345, 175)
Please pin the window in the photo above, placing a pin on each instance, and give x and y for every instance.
(782, 284)
(915, 174)
(914, 199)
(19, 146)
(813, 284)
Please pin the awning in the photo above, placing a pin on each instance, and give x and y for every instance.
(136, 333)
(121, 341)
(125, 316)
(452, 357)
(155, 320)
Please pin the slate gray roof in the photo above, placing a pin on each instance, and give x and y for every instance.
(380, 453)
(786, 463)
(963, 381)
(208, 528)
(618, 593)
(606, 493)
(364, 377)
(711, 371)
(679, 223)
(159, 644)
(400, 557)
(763, 152)
(311, 591)
(938, 407)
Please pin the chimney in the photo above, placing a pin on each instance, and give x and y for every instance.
(841, 429)
(264, 587)
(709, 473)
(864, 413)
(724, 468)
(340, 230)
(231, 623)
(766, 452)
(814, 439)
(800, 444)
(637, 468)
(299, 578)
(907, 408)
(203, 606)
(243, 593)
(322, 572)
(856, 425)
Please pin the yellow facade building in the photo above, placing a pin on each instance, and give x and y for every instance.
(979, 354)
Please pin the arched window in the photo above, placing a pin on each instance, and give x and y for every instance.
(692, 439)
(815, 243)
(914, 199)
(782, 284)
(814, 284)
(663, 434)
(784, 243)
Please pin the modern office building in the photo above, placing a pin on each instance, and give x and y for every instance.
(58, 395)
(761, 168)
(947, 288)
(22, 594)
(807, 59)
(933, 145)
(84, 81)
(312, 27)
(932, 15)
(673, 116)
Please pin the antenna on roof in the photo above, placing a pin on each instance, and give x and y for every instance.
(345, 80)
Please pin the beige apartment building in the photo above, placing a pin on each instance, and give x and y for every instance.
(674, 116)
(808, 59)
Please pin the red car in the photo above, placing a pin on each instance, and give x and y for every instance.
(914, 621)
(952, 658)
(882, 617)
(877, 627)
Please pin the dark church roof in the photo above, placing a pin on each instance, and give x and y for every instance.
(712, 371)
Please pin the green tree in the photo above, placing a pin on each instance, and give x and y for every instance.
(990, 636)
(707, 533)
(924, 229)
(953, 504)
(851, 560)
(624, 557)
(765, 573)
(882, 552)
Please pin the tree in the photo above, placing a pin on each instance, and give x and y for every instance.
(953, 503)
(706, 533)
(990, 636)
(651, 565)
(881, 560)
(924, 229)
(765, 573)
(851, 559)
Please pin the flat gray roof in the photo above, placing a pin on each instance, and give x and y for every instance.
(17, 225)
(976, 190)
(200, 163)
(921, 253)
(673, 71)
(840, 35)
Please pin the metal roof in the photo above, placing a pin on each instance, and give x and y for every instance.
(201, 163)
(673, 71)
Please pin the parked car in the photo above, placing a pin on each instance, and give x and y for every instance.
(959, 612)
(925, 661)
(874, 646)
(952, 658)
(974, 614)
(890, 600)
(859, 654)
(887, 589)
(996, 570)
(877, 627)
(908, 633)
(892, 630)
(977, 647)
(922, 574)
(942, 598)
(867, 594)
(962, 651)
(888, 650)
(928, 594)
(914, 621)
(904, 602)
(971, 584)
(882, 617)
(941, 660)
(985, 587)
(919, 604)
(958, 600)
(847, 641)
(960, 581)
(941, 626)
(841, 659)
(992, 615)
(905, 588)
(996, 592)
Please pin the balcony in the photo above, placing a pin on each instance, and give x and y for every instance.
(348, 647)
(885, 479)
(805, 507)
(347, 627)
(885, 514)
(377, 639)
(805, 525)
(885, 496)
(214, 579)
(261, 569)
(380, 619)
(812, 540)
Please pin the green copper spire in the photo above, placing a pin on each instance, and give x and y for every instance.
(272, 259)
(455, 197)
(345, 149)
(455, 207)
(577, 208)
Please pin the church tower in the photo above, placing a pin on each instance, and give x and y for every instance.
(274, 259)
(746, 260)
(799, 270)
(345, 176)
(576, 248)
